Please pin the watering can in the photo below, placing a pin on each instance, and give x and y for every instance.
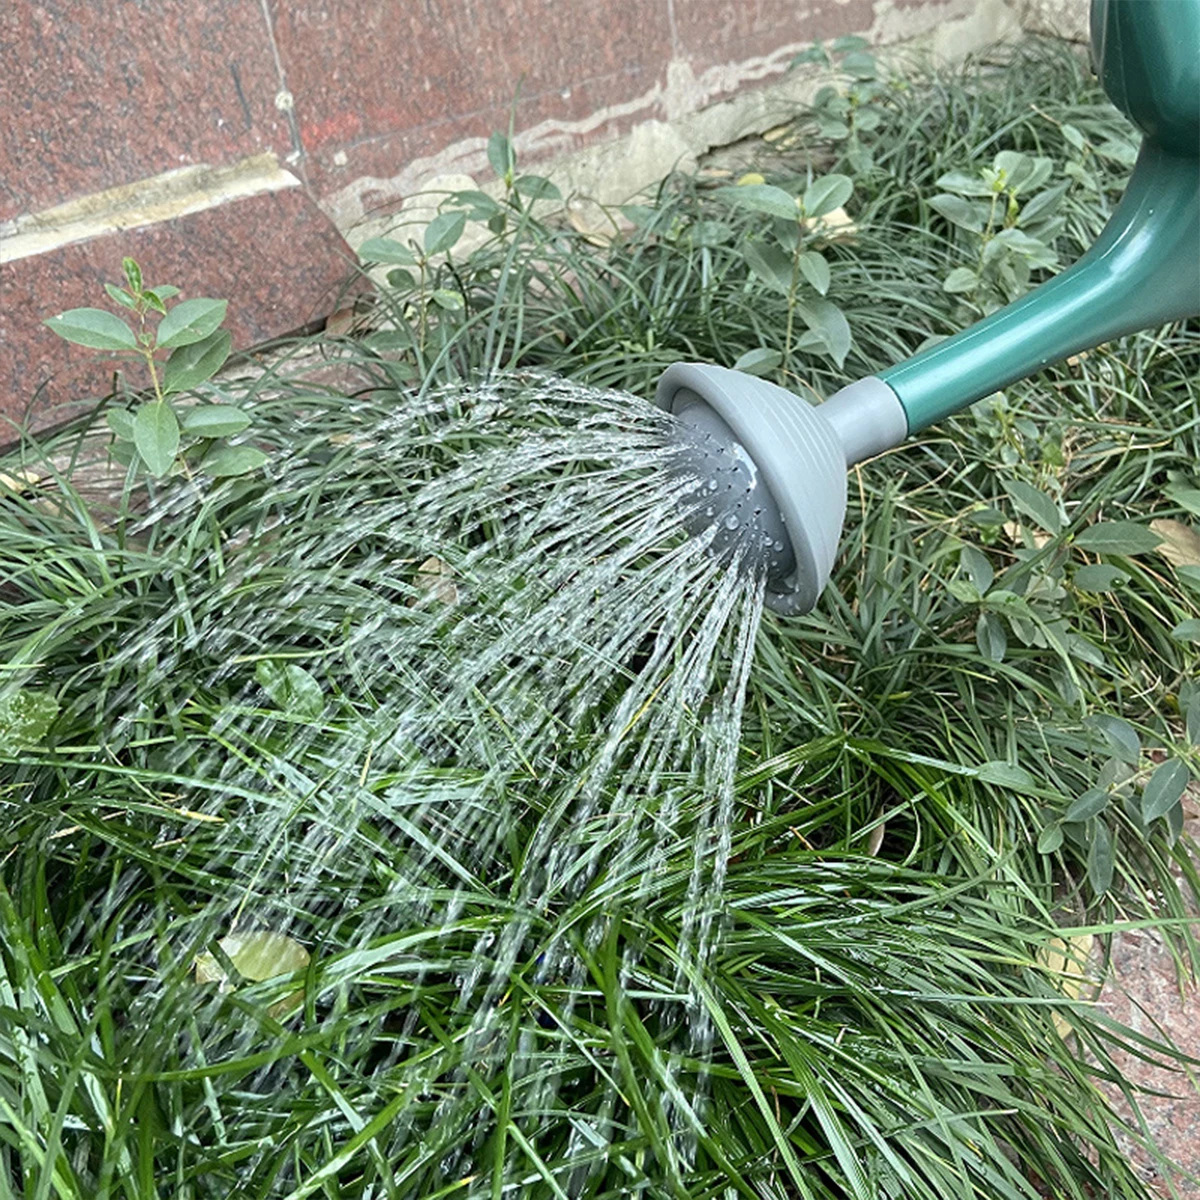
(773, 467)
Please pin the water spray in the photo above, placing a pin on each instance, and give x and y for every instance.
(772, 467)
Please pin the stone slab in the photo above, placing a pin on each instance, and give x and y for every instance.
(277, 259)
(96, 94)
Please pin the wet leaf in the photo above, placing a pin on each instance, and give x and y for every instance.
(960, 280)
(25, 719)
(1099, 577)
(291, 687)
(257, 955)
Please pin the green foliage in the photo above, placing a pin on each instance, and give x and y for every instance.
(151, 436)
(988, 726)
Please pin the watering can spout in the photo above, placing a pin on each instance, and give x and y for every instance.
(780, 462)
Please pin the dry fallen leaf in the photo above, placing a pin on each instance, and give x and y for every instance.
(435, 579)
(1180, 543)
(1067, 961)
(835, 226)
(1017, 534)
(257, 954)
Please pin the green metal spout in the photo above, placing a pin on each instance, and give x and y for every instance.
(1143, 271)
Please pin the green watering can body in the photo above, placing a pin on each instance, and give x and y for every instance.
(1145, 268)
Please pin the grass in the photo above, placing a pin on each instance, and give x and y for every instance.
(879, 1017)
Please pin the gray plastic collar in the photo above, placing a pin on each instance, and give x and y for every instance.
(867, 417)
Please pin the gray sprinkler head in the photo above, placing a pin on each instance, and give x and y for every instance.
(768, 469)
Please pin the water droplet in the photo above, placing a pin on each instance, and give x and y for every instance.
(778, 545)
(731, 522)
(712, 485)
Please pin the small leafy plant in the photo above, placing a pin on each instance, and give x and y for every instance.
(847, 111)
(783, 258)
(1010, 219)
(156, 434)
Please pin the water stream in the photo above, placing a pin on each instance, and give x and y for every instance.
(500, 679)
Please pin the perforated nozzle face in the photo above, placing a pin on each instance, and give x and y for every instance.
(731, 494)
(779, 471)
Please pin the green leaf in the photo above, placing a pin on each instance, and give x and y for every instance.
(120, 421)
(1188, 498)
(1036, 505)
(1119, 734)
(1006, 775)
(963, 184)
(1050, 839)
(192, 364)
(165, 291)
(95, 328)
(846, 43)
(121, 296)
(1193, 720)
(156, 436)
(1187, 631)
(1100, 859)
(387, 251)
(501, 157)
(978, 566)
(815, 268)
(770, 264)
(960, 212)
(536, 188)
(443, 231)
(449, 299)
(829, 323)
(1043, 205)
(133, 274)
(827, 193)
(401, 279)
(960, 280)
(1164, 789)
(1091, 804)
(1100, 577)
(990, 637)
(191, 321)
(155, 301)
(25, 719)
(761, 197)
(214, 421)
(233, 460)
(861, 66)
(759, 361)
(1117, 537)
(291, 687)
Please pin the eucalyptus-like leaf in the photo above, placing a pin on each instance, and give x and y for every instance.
(760, 361)
(444, 231)
(93, 327)
(1164, 788)
(190, 321)
(761, 198)
(227, 461)
(193, 364)
(214, 420)
(291, 687)
(156, 436)
(825, 194)
(387, 251)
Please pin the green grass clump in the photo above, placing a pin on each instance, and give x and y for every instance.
(956, 755)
